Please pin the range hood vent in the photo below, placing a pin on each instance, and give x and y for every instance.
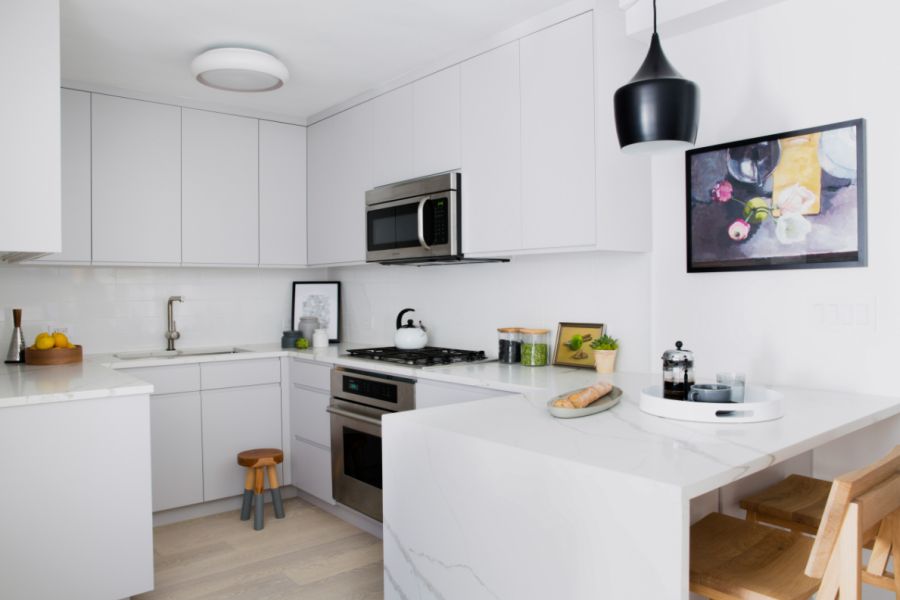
(443, 260)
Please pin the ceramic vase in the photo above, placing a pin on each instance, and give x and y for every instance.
(605, 360)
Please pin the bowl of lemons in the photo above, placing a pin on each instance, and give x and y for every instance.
(52, 349)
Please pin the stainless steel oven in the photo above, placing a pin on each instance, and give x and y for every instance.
(358, 401)
(414, 221)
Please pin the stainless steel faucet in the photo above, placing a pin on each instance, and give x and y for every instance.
(172, 333)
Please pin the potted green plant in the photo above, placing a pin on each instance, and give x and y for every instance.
(605, 349)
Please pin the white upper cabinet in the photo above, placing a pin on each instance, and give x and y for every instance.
(557, 82)
(136, 167)
(339, 169)
(76, 179)
(220, 193)
(282, 194)
(392, 136)
(436, 123)
(491, 152)
(29, 127)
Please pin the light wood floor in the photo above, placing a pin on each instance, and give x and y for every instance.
(308, 554)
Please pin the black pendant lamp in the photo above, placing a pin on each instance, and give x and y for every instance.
(658, 109)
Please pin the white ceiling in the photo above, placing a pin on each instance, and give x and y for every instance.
(334, 49)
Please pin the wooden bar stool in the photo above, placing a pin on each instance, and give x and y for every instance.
(733, 559)
(257, 462)
(795, 503)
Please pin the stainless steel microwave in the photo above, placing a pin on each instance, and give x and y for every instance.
(414, 221)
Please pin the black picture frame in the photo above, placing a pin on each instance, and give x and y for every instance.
(858, 258)
(332, 289)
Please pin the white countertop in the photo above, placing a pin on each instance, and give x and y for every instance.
(22, 385)
(492, 374)
(694, 457)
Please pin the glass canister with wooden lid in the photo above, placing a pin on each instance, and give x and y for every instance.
(535, 347)
(509, 351)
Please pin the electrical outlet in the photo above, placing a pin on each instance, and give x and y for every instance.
(859, 314)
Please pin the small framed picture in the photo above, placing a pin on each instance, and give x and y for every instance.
(573, 344)
(319, 299)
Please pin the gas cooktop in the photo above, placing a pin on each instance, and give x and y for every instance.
(426, 356)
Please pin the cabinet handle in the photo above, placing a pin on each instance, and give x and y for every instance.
(355, 416)
(421, 222)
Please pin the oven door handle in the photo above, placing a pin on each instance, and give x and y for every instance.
(421, 222)
(352, 415)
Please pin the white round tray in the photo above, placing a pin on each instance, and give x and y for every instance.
(760, 404)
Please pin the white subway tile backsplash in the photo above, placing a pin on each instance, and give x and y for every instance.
(109, 309)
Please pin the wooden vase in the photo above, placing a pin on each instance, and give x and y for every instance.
(605, 360)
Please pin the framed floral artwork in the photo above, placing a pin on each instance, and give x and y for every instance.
(787, 201)
(319, 299)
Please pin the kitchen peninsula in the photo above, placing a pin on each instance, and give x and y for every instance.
(75, 457)
(497, 499)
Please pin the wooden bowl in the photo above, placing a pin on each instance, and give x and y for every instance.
(53, 356)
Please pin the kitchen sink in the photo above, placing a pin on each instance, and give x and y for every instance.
(177, 353)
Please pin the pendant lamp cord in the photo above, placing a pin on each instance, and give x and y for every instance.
(654, 16)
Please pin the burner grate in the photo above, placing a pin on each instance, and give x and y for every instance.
(423, 357)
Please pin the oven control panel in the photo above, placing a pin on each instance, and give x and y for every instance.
(377, 390)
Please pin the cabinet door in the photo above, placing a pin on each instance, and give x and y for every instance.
(491, 151)
(282, 194)
(76, 179)
(558, 136)
(176, 451)
(309, 419)
(236, 419)
(392, 136)
(30, 127)
(340, 172)
(136, 170)
(220, 193)
(436, 123)
(311, 469)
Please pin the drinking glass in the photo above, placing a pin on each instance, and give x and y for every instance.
(737, 381)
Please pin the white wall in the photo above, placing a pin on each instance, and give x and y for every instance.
(463, 305)
(111, 309)
(795, 64)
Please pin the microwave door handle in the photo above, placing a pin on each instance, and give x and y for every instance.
(421, 222)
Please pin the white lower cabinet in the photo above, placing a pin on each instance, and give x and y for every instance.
(311, 429)
(176, 450)
(309, 419)
(236, 419)
(311, 466)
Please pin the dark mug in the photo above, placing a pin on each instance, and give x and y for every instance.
(710, 392)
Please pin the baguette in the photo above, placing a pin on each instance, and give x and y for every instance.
(584, 397)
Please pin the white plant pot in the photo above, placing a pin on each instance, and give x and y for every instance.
(605, 360)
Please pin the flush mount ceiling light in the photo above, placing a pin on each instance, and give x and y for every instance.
(239, 70)
(658, 109)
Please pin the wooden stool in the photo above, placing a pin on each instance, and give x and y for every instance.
(734, 559)
(257, 461)
(795, 503)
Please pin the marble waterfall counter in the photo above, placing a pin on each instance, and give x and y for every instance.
(497, 499)
(75, 514)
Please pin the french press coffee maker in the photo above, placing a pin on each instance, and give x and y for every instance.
(678, 372)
